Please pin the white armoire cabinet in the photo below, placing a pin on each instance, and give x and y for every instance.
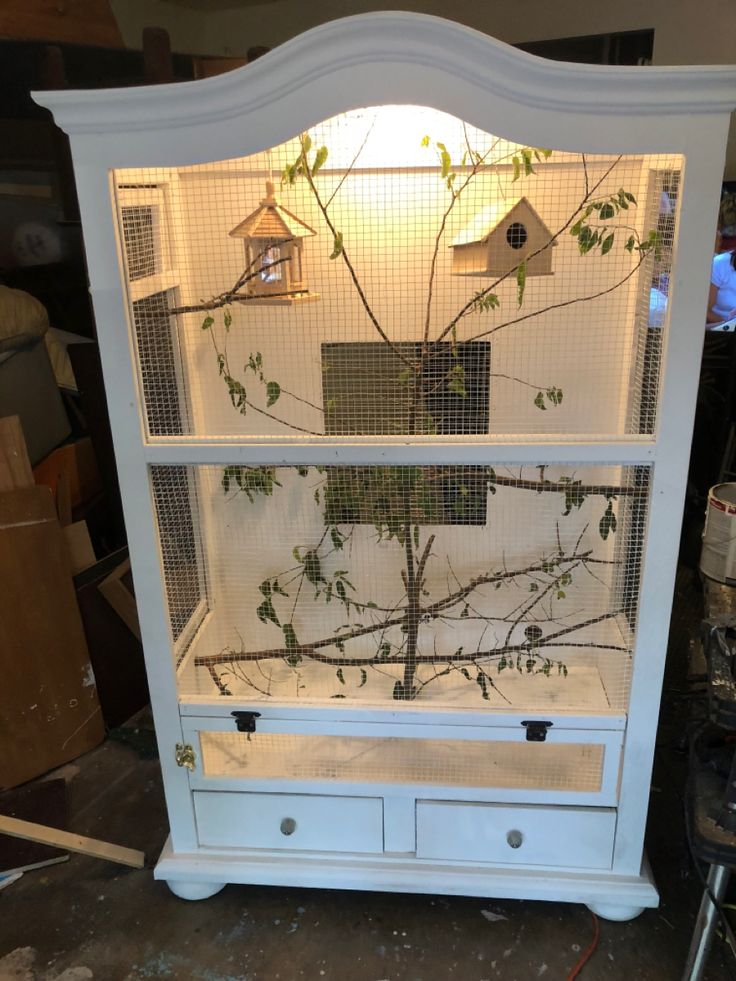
(403, 448)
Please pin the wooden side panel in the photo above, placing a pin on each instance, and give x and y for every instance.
(49, 711)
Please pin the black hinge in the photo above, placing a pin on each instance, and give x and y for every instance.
(536, 731)
(245, 721)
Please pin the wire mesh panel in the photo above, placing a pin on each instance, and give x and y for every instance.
(467, 586)
(509, 765)
(396, 271)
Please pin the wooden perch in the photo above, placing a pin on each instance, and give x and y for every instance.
(73, 843)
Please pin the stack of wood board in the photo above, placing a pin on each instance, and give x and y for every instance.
(49, 710)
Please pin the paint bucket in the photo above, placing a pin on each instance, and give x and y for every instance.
(718, 554)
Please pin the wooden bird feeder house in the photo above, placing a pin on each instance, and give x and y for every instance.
(499, 238)
(273, 238)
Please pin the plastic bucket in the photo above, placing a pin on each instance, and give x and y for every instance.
(718, 554)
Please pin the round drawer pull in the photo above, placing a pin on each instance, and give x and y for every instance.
(514, 839)
(288, 826)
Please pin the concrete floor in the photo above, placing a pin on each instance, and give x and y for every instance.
(90, 919)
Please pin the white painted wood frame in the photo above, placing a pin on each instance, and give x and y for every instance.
(402, 58)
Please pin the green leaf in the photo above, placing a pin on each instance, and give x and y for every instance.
(485, 301)
(445, 161)
(539, 401)
(237, 393)
(363, 677)
(586, 239)
(221, 364)
(607, 244)
(313, 567)
(521, 281)
(273, 391)
(533, 587)
(319, 159)
(338, 246)
(456, 381)
(606, 212)
(290, 636)
(228, 475)
(227, 319)
(207, 323)
(337, 539)
(306, 143)
(608, 522)
(266, 612)
(517, 167)
(630, 243)
(425, 141)
(340, 676)
(404, 376)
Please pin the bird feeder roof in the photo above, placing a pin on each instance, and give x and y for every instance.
(487, 220)
(272, 220)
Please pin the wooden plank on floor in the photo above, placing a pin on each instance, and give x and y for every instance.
(73, 843)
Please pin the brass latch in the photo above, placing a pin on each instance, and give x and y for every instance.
(184, 756)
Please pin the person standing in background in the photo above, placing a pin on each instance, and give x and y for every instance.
(722, 297)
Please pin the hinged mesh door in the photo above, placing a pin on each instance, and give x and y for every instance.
(456, 585)
(397, 272)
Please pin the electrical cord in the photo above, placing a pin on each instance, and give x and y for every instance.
(589, 950)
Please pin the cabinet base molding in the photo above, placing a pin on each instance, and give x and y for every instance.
(607, 894)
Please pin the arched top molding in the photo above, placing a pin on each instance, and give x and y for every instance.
(400, 57)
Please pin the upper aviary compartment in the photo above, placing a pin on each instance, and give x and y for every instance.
(395, 271)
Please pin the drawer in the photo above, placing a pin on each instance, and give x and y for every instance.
(577, 837)
(290, 821)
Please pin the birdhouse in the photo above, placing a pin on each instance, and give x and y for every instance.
(273, 239)
(497, 240)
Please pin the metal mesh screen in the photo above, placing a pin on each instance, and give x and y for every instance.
(139, 240)
(397, 271)
(439, 762)
(465, 586)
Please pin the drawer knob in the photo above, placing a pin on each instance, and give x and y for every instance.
(288, 826)
(514, 839)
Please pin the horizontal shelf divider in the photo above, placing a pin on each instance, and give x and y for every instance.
(396, 452)
(192, 708)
